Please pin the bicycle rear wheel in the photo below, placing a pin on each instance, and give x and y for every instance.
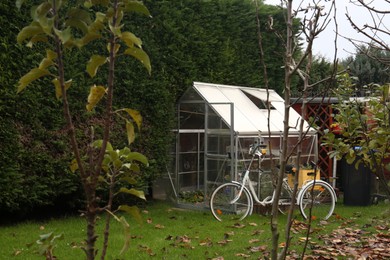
(317, 201)
(221, 204)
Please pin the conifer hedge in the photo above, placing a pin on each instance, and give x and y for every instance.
(187, 40)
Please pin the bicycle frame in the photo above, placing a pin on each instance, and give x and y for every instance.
(246, 182)
(308, 193)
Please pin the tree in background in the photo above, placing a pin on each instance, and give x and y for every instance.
(367, 69)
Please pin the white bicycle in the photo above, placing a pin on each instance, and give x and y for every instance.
(235, 200)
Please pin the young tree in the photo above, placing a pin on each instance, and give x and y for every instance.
(63, 25)
(315, 20)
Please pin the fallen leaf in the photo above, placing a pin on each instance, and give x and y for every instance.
(17, 252)
(230, 233)
(257, 232)
(159, 226)
(337, 241)
(303, 239)
(238, 225)
(146, 249)
(206, 242)
(255, 249)
(324, 222)
(224, 242)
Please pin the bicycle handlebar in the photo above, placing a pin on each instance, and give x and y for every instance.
(258, 147)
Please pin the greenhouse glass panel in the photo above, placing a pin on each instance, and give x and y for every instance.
(216, 124)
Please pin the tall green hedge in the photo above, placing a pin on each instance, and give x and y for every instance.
(187, 40)
(33, 150)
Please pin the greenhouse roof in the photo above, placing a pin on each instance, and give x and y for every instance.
(250, 109)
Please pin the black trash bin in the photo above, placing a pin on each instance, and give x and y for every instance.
(357, 184)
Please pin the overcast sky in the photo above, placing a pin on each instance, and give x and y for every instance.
(324, 45)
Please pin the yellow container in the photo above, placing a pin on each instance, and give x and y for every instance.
(304, 176)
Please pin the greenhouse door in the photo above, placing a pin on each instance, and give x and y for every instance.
(219, 148)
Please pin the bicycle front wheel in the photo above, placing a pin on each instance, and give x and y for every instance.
(225, 203)
(317, 201)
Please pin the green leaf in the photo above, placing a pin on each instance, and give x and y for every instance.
(64, 35)
(45, 63)
(48, 60)
(95, 95)
(116, 47)
(78, 18)
(37, 38)
(117, 164)
(130, 132)
(137, 193)
(74, 166)
(29, 32)
(99, 143)
(126, 230)
(372, 144)
(94, 63)
(116, 30)
(140, 55)
(130, 39)
(129, 180)
(46, 236)
(135, 167)
(113, 155)
(133, 211)
(136, 6)
(96, 27)
(350, 159)
(90, 36)
(39, 13)
(46, 23)
(32, 75)
(135, 156)
(57, 86)
(135, 115)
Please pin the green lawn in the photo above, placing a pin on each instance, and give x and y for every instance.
(172, 233)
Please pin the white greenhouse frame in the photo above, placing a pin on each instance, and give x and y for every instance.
(216, 125)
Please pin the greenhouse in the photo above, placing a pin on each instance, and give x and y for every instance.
(216, 125)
